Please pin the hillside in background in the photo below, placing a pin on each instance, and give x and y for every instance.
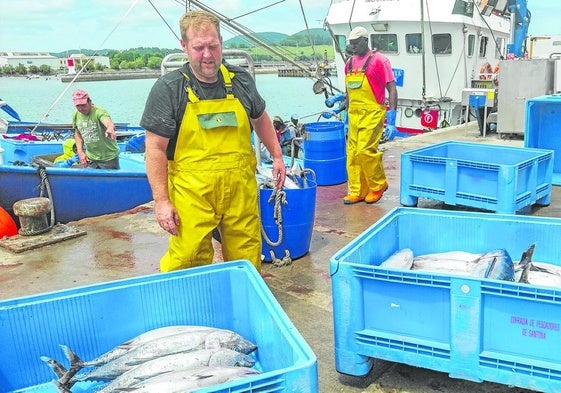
(302, 38)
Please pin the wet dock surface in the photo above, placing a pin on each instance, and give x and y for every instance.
(130, 244)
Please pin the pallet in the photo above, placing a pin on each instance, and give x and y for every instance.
(58, 233)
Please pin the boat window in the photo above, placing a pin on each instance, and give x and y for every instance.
(441, 44)
(471, 45)
(414, 43)
(384, 42)
(501, 48)
(342, 41)
(483, 46)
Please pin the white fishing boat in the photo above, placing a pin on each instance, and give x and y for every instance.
(437, 49)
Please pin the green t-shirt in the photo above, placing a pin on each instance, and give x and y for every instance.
(98, 146)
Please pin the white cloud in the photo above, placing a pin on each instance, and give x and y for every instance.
(58, 25)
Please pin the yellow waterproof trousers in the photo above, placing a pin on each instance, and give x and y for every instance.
(212, 184)
(365, 168)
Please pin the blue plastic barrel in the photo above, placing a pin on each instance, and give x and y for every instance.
(297, 221)
(325, 152)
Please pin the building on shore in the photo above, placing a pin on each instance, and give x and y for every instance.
(38, 59)
(80, 59)
(31, 59)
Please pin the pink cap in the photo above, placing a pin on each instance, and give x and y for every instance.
(80, 97)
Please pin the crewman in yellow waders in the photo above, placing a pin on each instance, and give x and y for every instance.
(199, 158)
(368, 74)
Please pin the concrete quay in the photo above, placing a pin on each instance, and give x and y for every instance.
(130, 243)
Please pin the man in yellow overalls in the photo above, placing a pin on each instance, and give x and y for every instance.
(368, 74)
(199, 158)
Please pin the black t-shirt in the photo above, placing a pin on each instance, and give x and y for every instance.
(166, 102)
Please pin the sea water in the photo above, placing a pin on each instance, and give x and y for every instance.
(48, 100)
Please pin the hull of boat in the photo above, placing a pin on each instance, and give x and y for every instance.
(79, 192)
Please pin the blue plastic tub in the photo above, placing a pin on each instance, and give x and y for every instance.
(543, 116)
(478, 330)
(24, 151)
(491, 177)
(325, 151)
(93, 319)
(297, 221)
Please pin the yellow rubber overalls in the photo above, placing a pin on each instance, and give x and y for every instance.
(212, 183)
(365, 168)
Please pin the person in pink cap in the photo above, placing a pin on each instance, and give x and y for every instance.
(94, 132)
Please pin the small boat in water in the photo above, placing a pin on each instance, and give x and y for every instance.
(77, 192)
(24, 140)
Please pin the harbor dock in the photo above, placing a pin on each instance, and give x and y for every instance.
(130, 244)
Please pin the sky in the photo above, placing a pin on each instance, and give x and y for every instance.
(59, 25)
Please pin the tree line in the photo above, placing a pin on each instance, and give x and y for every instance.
(140, 58)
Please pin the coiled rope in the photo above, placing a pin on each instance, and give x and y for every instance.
(278, 196)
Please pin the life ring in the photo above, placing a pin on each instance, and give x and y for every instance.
(486, 72)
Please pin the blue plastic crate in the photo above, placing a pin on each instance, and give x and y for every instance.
(543, 115)
(491, 177)
(17, 150)
(478, 330)
(94, 319)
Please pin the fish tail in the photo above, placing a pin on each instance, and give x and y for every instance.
(57, 368)
(76, 364)
(61, 388)
(526, 257)
(74, 359)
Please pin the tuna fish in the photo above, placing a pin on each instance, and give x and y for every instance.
(167, 345)
(146, 347)
(496, 264)
(402, 259)
(206, 357)
(538, 273)
(142, 339)
(188, 380)
(452, 262)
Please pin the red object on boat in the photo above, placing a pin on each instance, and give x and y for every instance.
(8, 226)
(429, 118)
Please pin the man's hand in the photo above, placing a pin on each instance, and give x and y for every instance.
(390, 130)
(167, 216)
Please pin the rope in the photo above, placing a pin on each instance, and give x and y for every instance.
(45, 185)
(279, 197)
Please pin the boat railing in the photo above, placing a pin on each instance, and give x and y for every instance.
(174, 61)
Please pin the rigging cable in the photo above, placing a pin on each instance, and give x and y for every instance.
(434, 54)
(424, 66)
(162, 17)
(84, 66)
(314, 54)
